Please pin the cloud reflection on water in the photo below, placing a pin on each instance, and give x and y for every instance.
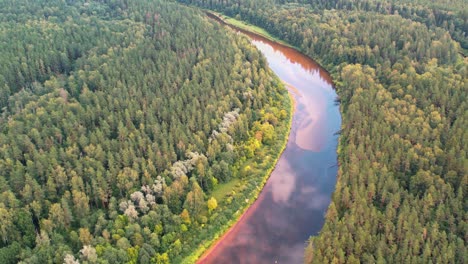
(292, 205)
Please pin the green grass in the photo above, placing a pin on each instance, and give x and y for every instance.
(249, 27)
(225, 188)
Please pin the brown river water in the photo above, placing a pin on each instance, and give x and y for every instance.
(292, 205)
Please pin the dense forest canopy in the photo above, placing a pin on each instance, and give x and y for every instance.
(451, 15)
(118, 120)
(401, 193)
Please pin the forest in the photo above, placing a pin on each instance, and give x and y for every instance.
(135, 131)
(401, 75)
(124, 126)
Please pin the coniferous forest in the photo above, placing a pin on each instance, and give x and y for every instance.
(134, 131)
(118, 120)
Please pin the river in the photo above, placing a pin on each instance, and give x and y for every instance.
(292, 205)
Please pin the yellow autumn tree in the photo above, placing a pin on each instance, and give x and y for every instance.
(212, 204)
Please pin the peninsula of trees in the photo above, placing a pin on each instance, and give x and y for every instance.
(130, 131)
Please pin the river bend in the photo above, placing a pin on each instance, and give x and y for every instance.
(292, 205)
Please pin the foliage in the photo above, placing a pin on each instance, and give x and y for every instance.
(118, 119)
(212, 204)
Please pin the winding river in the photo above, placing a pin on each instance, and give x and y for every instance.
(292, 205)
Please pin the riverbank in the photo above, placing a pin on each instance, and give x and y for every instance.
(273, 152)
(252, 29)
(249, 206)
(247, 27)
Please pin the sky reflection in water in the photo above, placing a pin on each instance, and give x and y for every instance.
(293, 203)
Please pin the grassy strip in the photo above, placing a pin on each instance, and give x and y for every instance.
(225, 188)
(275, 151)
(248, 27)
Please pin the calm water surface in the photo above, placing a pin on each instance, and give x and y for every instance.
(293, 202)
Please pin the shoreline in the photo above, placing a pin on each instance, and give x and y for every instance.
(206, 248)
(250, 208)
(246, 28)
